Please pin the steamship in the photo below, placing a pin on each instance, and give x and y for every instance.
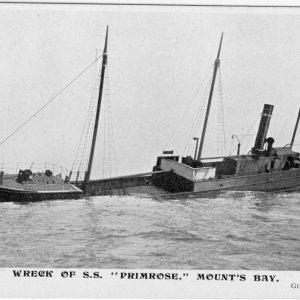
(264, 168)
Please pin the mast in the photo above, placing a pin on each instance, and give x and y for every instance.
(104, 62)
(196, 148)
(217, 63)
(295, 129)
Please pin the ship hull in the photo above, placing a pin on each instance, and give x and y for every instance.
(9, 195)
(281, 180)
(259, 182)
(38, 187)
(136, 184)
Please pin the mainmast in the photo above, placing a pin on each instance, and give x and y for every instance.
(90, 163)
(217, 63)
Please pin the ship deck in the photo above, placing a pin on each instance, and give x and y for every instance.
(39, 182)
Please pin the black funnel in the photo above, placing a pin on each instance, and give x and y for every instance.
(263, 127)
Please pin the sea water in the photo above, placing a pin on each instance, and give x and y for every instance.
(232, 230)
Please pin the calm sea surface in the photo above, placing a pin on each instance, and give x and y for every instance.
(234, 230)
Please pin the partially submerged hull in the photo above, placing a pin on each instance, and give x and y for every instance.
(279, 171)
(169, 184)
(135, 184)
(279, 180)
(263, 168)
(8, 195)
(38, 188)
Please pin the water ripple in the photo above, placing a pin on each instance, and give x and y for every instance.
(230, 230)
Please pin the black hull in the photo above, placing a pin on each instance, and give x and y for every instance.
(10, 195)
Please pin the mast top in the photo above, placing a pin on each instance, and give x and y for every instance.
(106, 38)
(219, 51)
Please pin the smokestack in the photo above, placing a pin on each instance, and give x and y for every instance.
(263, 127)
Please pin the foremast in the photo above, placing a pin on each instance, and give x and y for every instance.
(91, 157)
(217, 64)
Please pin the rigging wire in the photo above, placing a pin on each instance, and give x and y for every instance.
(187, 107)
(199, 116)
(247, 134)
(109, 164)
(81, 158)
(221, 144)
(48, 102)
(109, 154)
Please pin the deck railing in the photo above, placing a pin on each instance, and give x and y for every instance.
(35, 167)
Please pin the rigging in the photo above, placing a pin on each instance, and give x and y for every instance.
(49, 101)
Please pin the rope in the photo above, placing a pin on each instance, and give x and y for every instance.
(195, 126)
(82, 156)
(49, 101)
(109, 156)
(221, 144)
(186, 109)
(107, 136)
(247, 134)
(110, 127)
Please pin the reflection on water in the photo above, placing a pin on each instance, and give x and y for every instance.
(233, 230)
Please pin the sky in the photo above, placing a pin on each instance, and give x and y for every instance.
(158, 58)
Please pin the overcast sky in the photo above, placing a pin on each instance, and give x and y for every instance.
(157, 59)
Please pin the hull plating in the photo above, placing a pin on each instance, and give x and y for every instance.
(281, 180)
(7, 195)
